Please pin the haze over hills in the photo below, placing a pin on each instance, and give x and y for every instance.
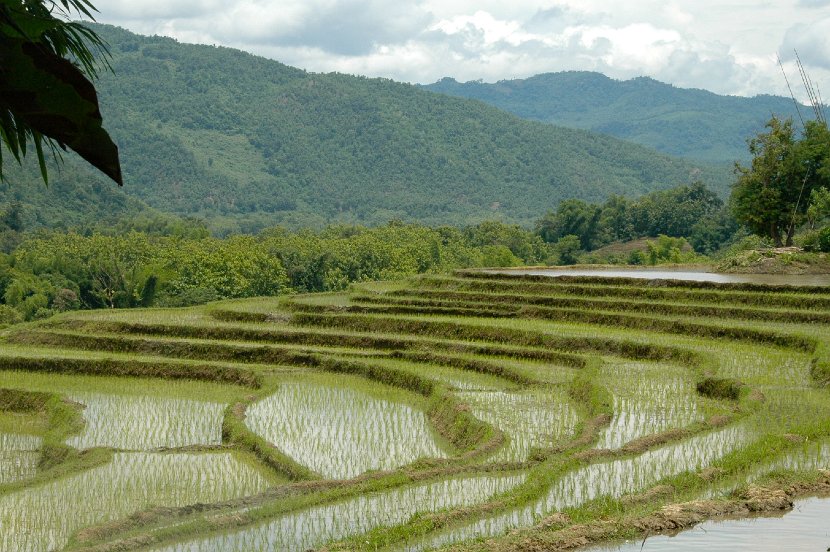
(684, 122)
(248, 142)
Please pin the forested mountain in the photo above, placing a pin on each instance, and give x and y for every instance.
(685, 122)
(76, 195)
(248, 142)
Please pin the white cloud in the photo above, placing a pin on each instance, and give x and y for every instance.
(725, 47)
(811, 40)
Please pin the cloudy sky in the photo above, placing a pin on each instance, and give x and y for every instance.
(727, 46)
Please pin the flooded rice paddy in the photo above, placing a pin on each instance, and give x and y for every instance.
(614, 478)
(431, 386)
(313, 527)
(341, 432)
(538, 417)
(648, 398)
(679, 274)
(42, 518)
(19, 455)
(143, 423)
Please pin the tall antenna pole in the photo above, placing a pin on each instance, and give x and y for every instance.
(790, 88)
(815, 101)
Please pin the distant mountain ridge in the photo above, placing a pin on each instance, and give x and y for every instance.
(247, 142)
(690, 123)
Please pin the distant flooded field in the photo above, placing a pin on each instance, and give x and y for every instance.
(485, 412)
(685, 274)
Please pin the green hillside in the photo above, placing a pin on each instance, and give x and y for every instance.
(684, 122)
(76, 196)
(247, 142)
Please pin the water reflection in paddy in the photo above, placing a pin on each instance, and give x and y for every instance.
(615, 479)
(145, 422)
(681, 274)
(806, 527)
(42, 518)
(341, 432)
(312, 527)
(19, 455)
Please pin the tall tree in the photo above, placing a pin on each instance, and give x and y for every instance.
(771, 196)
(46, 96)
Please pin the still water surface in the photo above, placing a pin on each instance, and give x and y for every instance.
(806, 528)
(685, 274)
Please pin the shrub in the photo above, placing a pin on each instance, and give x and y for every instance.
(816, 240)
(9, 315)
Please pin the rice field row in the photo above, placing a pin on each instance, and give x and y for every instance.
(426, 414)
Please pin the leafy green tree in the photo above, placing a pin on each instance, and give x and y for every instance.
(498, 256)
(712, 231)
(567, 249)
(771, 196)
(819, 208)
(46, 97)
(573, 217)
(525, 245)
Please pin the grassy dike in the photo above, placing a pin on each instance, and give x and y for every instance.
(743, 357)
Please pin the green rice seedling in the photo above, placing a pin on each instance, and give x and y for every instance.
(125, 387)
(143, 422)
(642, 290)
(473, 300)
(498, 331)
(73, 362)
(648, 398)
(313, 527)
(17, 465)
(810, 456)
(759, 366)
(454, 378)
(42, 518)
(534, 418)
(19, 456)
(613, 479)
(341, 432)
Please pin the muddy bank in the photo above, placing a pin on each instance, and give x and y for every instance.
(558, 532)
(783, 261)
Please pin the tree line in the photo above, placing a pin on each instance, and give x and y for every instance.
(50, 272)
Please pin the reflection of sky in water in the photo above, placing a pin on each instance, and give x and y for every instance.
(805, 528)
(312, 527)
(42, 518)
(535, 418)
(143, 422)
(18, 456)
(340, 432)
(615, 478)
(687, 275)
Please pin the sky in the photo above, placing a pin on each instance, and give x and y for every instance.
(726, 46)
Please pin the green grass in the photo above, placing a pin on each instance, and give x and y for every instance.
(578, 395)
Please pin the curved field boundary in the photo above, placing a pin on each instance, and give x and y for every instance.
(548, 286)
(64, 419)
(638, 322)
(311, 337)
(656, 282)
(450, 330)
(469, 299)
(133, 368)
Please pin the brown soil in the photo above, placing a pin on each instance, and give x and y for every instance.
(655, 493)
(778, 261)
(669, 518)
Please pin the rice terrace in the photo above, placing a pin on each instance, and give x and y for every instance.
(472, 411)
